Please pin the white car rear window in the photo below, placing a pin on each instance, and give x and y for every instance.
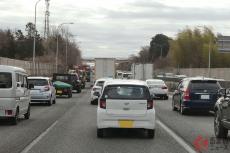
(125, 92)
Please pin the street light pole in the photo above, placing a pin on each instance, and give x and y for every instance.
(209, 58)
(66, 52)
(35, 34)
(56, 63)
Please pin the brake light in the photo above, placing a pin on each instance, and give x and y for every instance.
(164, 87)
(186, 96)
(9, 112)
(149, 104)
(103, 103)
(46, 88)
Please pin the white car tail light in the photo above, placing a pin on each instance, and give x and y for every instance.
(103, 103)
(150, 104)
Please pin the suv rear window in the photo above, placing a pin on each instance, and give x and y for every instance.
(126, 92)
(38, 82)
(204, 85)
(5, 80)
(62, 78)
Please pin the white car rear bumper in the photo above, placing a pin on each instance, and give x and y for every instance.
(141, 122)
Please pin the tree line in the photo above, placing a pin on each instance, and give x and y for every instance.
(18, 44)
(189, 49)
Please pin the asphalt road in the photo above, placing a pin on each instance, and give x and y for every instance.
(69, 126)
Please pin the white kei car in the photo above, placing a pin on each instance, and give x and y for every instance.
(158, 88)
(43, 91)
(125, 104)
(97, 87)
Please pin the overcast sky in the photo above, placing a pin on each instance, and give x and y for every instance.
(118, 28)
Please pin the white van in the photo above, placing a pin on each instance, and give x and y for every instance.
(14, 93)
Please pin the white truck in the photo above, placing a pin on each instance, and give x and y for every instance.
(142, 71)
(105, 68)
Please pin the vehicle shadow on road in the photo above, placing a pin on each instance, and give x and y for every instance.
(8, 122)
(125, 133)
(199, 113)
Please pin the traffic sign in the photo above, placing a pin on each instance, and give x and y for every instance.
(223, 43)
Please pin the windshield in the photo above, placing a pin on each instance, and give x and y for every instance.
(38, 82)
(5, 80)
(62, 78)
(100, 83)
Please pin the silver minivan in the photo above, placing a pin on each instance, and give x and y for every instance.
(14, 93)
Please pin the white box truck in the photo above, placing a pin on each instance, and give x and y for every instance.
(142, 71)
(105, 68)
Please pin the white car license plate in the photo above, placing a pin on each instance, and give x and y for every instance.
(204, 97)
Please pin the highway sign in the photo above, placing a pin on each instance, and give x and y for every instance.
(223, 43)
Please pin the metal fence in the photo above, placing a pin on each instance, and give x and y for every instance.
(42, 69)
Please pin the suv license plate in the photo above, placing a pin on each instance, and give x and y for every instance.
(204, 97)
(125, 123)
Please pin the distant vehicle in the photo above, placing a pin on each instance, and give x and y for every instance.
(72, 79)
(195, 94)
(63, 88)
(119, 75)
(82, 77)
(104, 68)
(43, 91)
(127, 75)
(222, 114)
(14, 93)
(97, 87)
(125, 104)
(180, 76)
(142, 71)
(158, 88)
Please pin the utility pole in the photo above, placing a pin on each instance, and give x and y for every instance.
(47, 14)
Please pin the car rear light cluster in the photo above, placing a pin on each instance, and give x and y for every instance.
(9, 112)
(94, 89)
(149, 104)
(103, 103)
(186, 96)
(164, 87)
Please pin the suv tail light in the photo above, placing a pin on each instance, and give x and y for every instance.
(186, 96)
(149, 104)
(164, 87)
(103, 103)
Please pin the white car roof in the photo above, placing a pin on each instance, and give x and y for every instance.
(37, 77)
(155, 80)
(104, 79)
(125, 82)
(7, 68)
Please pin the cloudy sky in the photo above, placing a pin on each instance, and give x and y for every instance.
(118, 28)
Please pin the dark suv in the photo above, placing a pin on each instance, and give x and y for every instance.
(195, 94)
(71, 79)
(222, 114)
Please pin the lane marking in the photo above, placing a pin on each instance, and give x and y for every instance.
(35, 141)
(186, 146)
